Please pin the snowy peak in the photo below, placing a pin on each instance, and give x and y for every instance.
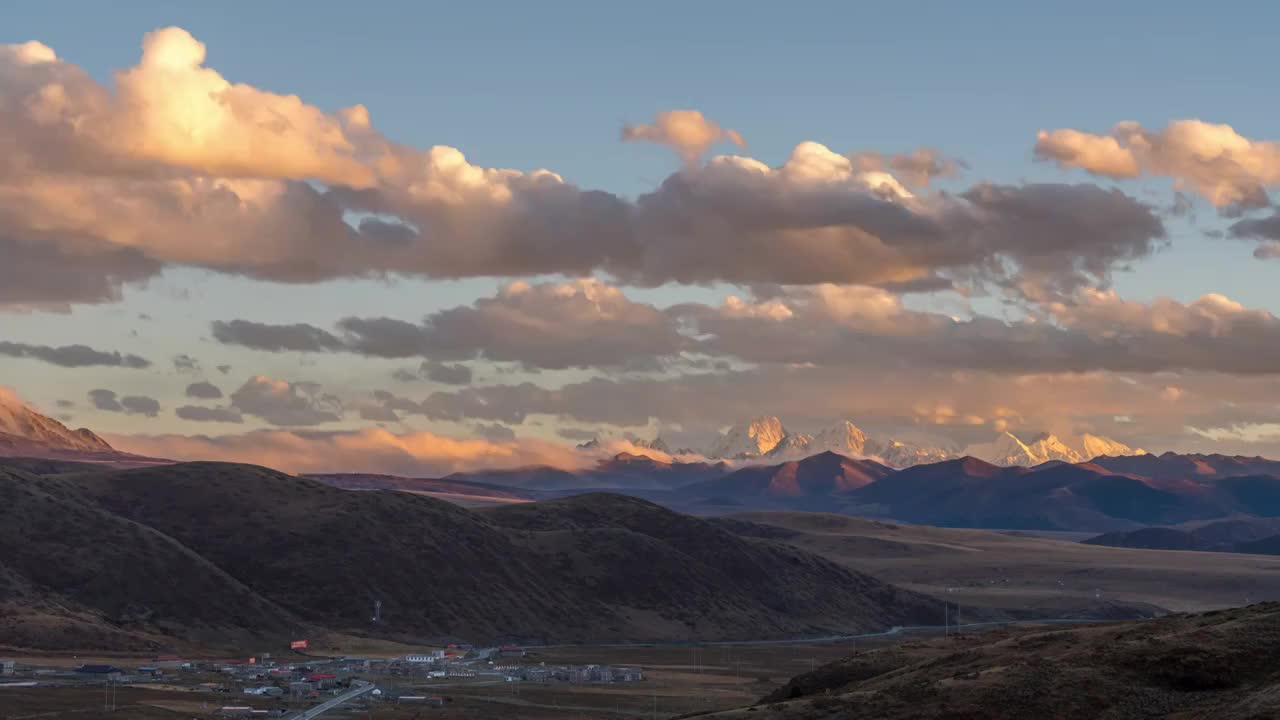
(19, 421)
(751, 439)
(1009, 449)
(1094, 446)
(896, 453)
(843, 437)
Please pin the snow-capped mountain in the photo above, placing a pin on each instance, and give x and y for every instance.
(765, 437)
(896, 453)
(1009, 449)
(751, 439)
(22, 428)
(1094, 446)
(844, 437)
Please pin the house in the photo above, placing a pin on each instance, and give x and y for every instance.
(8, 667)
(99, 672)
(301, 689)
(433, 656)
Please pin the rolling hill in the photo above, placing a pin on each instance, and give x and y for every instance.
(194, 550)
(1219, 665)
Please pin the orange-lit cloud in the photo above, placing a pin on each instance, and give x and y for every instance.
(1213, 159)
(689, 132)
(420, 454)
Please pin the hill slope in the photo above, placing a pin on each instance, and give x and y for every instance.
(241, 537)
(1219, 665)
(76, 576)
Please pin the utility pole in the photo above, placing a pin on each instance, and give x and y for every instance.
(946, 619)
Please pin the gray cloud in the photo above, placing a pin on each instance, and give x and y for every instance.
(184, 363)
(288, 404)
(275, 338)
(445, 374)
(581, 323)
(41, 271)
(196, 413)
(73, 356)
(204, 391)
(1266, 230)
(493, 432)
(108, 401)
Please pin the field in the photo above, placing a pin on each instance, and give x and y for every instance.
(1021, 571)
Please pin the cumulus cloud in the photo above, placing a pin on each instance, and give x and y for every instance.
(690, 133)
(917, 168)
(72, 356)
(204, 391)
(1228, 169)
(419, 454)
(174, 165)
(290, 404)
(197, 413)
(108, 401)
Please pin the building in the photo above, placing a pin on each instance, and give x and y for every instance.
(8, 667)
(434, 656)
(99, 672)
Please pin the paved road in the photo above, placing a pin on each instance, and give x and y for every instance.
(359, 687)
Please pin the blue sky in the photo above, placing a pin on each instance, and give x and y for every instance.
(549, 85)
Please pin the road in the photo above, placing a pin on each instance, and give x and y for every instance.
(359, 687)
(895, 630)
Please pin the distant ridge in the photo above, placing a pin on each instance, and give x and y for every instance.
(25, 432)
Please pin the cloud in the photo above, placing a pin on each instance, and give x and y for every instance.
(419, 454)
(72, 356)
(284, 403)
(196, 413)
(689, 132)
(445, 374)
(917, 168)
(299, 337)
(578, 323)
(51, 273)
(170, 111)
(1225, 167)
(204, 391)
(493, 432)
(174, 165)
(107, 401)
(1266, 230)
(868, 329)
(186, 364)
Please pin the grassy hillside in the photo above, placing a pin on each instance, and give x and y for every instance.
(185, 550)
(74, 575)
(1219, 665)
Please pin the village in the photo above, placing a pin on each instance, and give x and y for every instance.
(265, 686)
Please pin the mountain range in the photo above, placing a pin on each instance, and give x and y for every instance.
(836, 470)
(767, 438)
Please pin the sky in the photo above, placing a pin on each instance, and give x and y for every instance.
(424, 237)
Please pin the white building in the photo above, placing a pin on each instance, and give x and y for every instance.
(433, 656)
